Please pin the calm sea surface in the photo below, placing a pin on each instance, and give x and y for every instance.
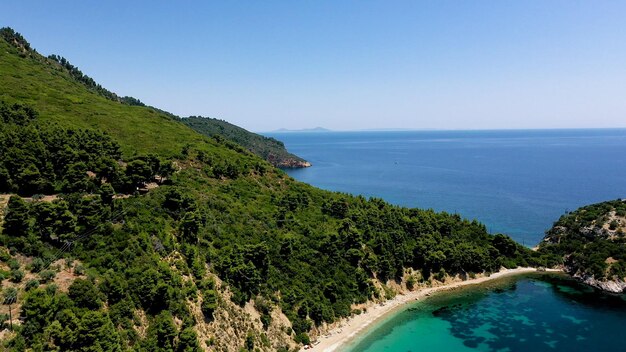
(516, 182)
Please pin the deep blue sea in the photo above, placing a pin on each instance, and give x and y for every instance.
(516, 182)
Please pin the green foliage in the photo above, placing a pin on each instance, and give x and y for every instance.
(91, 84)
(31, 284)
(45, 158)
(267, 148)
(410, 282)
(47, 275)
(37, 265)
(249, 341)
(161, 333)
(14, 38)
(9, 295)
(50, 89)
(578, 241)
(209, 304)
(85, 294)
(17, 275)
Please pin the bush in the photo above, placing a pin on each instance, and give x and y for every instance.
(441, 275)
(5, 256)
(17, 275)
(410, 282)
(37, 265)
(51, 289)
(13, 264)
(209, 304)
(47, 275)
(303, 338)
(31, 284)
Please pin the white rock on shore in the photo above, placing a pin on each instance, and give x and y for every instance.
(613, 286)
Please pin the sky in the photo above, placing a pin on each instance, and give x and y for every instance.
(349, 65)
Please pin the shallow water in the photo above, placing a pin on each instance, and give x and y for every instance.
(542, 312)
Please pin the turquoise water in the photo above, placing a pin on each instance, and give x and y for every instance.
(516, 182)
(541, 313)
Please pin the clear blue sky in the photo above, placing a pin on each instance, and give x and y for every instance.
(349, 64)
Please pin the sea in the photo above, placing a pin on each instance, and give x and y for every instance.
(517, 182)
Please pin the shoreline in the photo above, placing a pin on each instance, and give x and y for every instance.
(348, 329)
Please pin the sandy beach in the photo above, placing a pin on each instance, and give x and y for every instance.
(351, 327)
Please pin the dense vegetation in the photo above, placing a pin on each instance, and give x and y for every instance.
(591, 241)
(267, 148)
(91, 84)
(53, 79)
(223, 212)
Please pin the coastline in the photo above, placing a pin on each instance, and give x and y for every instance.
(348, 329)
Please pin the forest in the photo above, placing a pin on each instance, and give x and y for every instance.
(270, 149)
(590, 241)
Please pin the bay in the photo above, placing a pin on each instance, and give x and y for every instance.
(516, 182)
(540, 312)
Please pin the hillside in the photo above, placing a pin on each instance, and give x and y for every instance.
(154, 237)
(267, 148)
(591, 242)
(63, 94)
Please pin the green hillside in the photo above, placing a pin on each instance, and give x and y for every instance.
(32, 79)
(591, 243)
(268, 148)
(153, 237)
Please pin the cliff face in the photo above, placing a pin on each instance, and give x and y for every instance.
(591, 244)
(287, 162)
(613, 286)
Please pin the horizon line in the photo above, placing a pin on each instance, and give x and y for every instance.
(327, 130)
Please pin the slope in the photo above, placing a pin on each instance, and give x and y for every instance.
(267, 148)
(27, 77)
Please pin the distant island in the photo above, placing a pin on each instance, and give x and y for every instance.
(315, 129)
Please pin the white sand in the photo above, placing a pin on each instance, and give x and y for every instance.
(351, 327)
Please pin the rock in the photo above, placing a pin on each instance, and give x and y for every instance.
(291, 163)
(613, 286)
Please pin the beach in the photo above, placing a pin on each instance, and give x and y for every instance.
(351, 327)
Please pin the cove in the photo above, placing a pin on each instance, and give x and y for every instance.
(533, 312)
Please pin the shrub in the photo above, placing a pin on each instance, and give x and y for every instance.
(37, 265)
(410, 282)
(47, 275)
(31, 284)
(13, 264)
(303, 338)
(17, 275)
